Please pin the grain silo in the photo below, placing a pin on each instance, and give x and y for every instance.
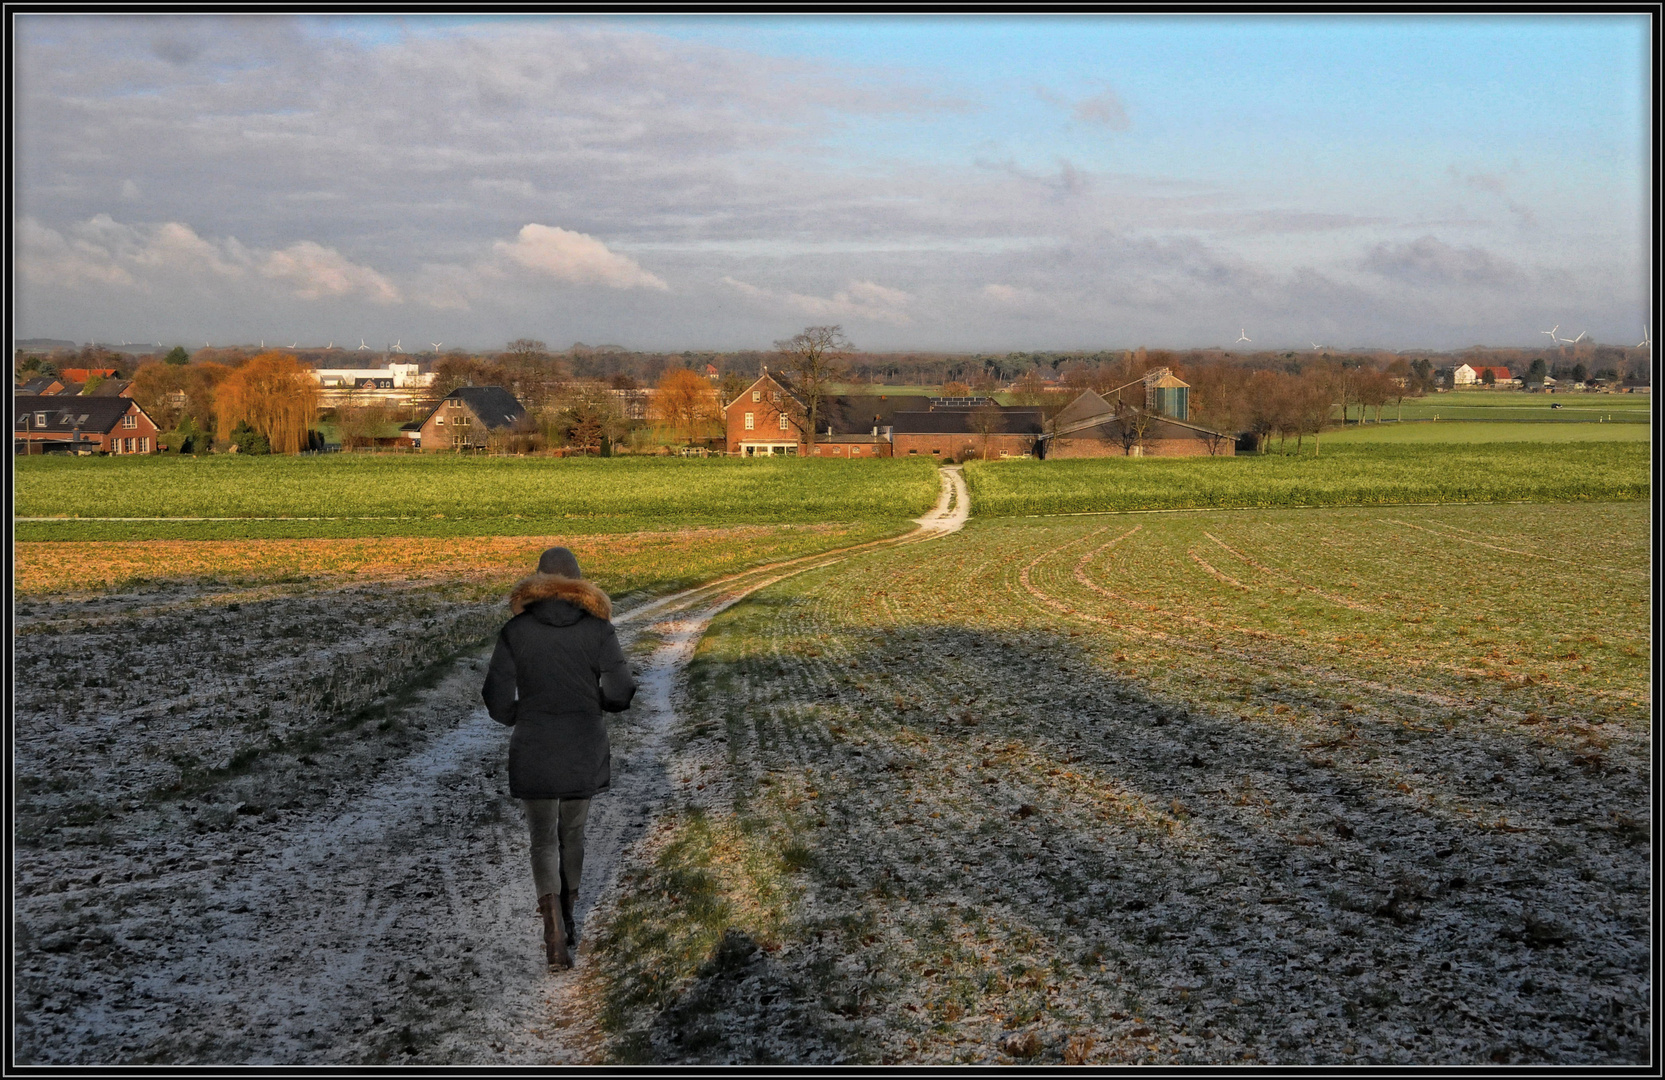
(1166, 395)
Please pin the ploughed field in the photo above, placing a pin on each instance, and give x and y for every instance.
(209, 733)
(1357, 784)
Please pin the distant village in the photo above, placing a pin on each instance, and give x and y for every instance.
(820, 402)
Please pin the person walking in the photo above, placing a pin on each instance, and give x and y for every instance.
(556, 668)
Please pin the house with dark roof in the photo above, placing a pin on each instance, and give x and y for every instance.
(76, 424)
(470, 418)
(42, 385)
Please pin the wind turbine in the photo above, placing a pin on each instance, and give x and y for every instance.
(395, 346)
(1317, 347)
(294, 343)
(1646, 342)
(1579, 338)
(1242, 335)
(1553, 339)
(361, 346)
(436, 345)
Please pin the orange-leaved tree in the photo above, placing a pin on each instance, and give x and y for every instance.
(274, 395)
(685, 401)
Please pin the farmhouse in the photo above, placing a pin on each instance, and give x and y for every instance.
(62, 423)
(1091, 426)
(1467, 375)
(468, 418)
(770, 417)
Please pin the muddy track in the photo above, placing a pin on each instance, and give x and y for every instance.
(395, 922)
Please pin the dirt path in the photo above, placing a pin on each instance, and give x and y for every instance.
(393, 922)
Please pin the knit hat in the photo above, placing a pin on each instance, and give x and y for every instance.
(559, 561)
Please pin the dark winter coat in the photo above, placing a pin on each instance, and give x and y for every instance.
(556, 668)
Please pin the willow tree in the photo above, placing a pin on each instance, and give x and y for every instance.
(686, 401)
(274, 395)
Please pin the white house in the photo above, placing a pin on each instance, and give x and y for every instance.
(1464, 376)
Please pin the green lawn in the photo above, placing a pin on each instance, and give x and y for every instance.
(1340, 475)
(417, 495)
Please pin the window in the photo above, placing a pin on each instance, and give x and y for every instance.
(439, 420)
(130, 421)
(936, 450)
(774, 396)
(748, 421)
(913, 451)
(854, 450)
(144, 444)
(757, 395)
(461, 419)
(127, 446)
(784, 424)
(40, 419)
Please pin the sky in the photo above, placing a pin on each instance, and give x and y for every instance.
(720, 182)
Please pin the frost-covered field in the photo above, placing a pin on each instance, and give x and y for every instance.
(1285, 786)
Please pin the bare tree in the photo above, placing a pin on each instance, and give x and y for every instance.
(1134, 423)
(985, 421)
(815, 360)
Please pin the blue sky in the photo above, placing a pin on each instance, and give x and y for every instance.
(929, 182)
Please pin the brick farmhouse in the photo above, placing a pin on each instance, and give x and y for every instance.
(79, 424)
(469, 417)
(770, 418)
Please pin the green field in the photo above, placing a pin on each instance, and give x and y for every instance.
(1576, 407)
(1206, 787)
(1339, 476)
(1488, 431)
(442, 495)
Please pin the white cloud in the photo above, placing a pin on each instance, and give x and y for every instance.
(315, 271)
(575, 258)
(1015, 297)
(103, 251)
(857, 300)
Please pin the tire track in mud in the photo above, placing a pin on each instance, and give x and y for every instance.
(394, 924)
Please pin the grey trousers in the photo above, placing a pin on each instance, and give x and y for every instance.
(557, 827)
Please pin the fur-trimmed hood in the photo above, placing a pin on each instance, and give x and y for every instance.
(575, 591)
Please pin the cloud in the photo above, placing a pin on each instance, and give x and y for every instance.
(1015, 297)
(104, 251)
(1430, 261)
(575, 258)
(316, 272)
(857, 300)
(1104, 109)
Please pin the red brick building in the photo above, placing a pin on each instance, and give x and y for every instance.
(59, 423)
(469, 418)
(771, 418)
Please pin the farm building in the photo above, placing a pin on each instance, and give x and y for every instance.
(1090, 426)
(74, 424)
(770, 418)
(1467, 375)
(468, 418)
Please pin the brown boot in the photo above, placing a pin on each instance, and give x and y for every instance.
(554, 933)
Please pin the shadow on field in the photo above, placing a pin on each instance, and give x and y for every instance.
(1342, 887)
